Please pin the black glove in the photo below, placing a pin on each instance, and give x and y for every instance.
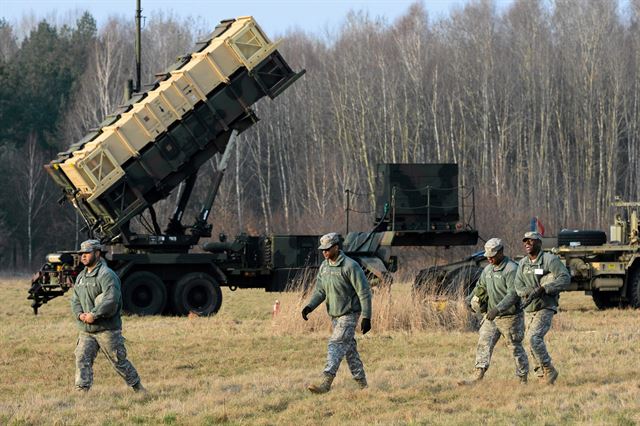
(492, 314)
(365, 325)
(306, 311)
(537, 292)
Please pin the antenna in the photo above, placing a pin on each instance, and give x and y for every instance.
(129, 88)
(138, 45)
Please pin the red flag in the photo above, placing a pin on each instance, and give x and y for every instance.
(539, 226)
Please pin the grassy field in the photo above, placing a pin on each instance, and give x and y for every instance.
(244, 367)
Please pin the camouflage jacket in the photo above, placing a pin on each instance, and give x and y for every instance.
(530, 275)
(344, 287)
(497, 282)
(103, 282)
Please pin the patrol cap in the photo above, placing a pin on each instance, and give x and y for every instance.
(329, 240)
(492, 247)
(531, 235)
(90, 246)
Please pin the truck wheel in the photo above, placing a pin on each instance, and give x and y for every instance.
(603, 300)
(198, 293)
(144, 293)
(584, 237)
(634, 290)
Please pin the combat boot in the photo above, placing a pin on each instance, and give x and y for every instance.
(323, 387)
(477, 376)
(550, 374)
(362, 383)
(138, 388)
(523, 379)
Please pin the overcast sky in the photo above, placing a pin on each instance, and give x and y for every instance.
(274, 16)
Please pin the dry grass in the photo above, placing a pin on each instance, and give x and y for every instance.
(245, 367)
(395, 309)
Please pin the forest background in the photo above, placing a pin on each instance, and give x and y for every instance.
(539, 104)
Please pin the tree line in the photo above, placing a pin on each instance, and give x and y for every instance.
(538, 103)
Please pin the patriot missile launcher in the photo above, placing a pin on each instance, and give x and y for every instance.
(160, 138)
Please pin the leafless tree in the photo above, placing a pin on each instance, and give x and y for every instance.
(34, 192)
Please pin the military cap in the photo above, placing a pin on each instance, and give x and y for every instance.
(90, 246)
(531, 235)
(329, 240)
(492, 247)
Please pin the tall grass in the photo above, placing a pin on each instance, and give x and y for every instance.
(396, 307)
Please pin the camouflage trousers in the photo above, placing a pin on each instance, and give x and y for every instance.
(512, 328)
(111, 344)
(342, 344)
(538, 324)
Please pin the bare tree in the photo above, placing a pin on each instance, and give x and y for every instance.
(33, 190)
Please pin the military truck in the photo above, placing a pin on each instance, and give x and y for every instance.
(609, 271)
(156, 141)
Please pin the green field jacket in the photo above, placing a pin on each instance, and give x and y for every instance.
(103, 282)
(497, 282)
(343, 286)
(531, 272)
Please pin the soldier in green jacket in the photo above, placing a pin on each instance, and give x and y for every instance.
(96, 304)
(539, 280)
(341, 283)
(496, 290)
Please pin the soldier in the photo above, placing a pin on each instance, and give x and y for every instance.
(96, 304)
(540, 277)
(343, 285)
(504, 317)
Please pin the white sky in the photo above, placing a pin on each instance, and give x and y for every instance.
(274, 16)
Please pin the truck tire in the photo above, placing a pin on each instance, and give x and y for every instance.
(604, 300)
(584, 237)
(634, 290)
(197, 292)
(144, 293)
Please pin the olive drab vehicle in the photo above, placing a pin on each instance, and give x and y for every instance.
(158, 140)
(144, 150)
(609, 271)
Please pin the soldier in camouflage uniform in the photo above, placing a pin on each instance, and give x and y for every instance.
(496, 293)
(96, 304)
(539, 279)
(341, 283)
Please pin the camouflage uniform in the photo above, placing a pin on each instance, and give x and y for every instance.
(497, 283)
(99, 292)
(111, 344)
(346, 292)
(342, 344)
(540, 312)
